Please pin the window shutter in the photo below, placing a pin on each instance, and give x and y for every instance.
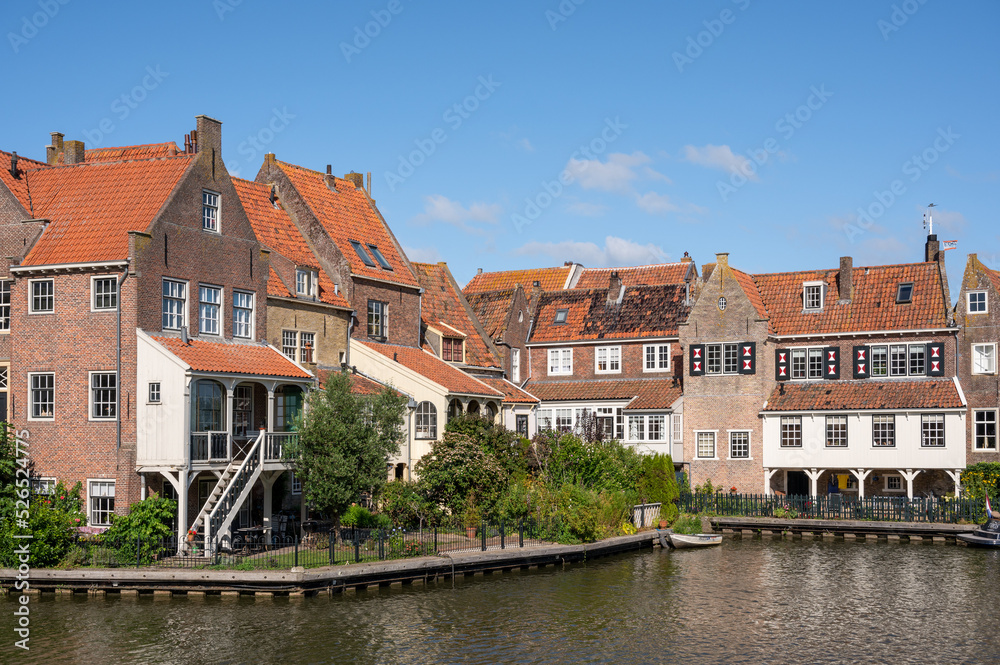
(862, 362)
(782, 367)
(697, 355)
(935, 359)
(748, 357)
(831, 365)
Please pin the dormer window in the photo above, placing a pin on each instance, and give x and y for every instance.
(379, 257)
(210, 211)
(561, 316)
(904, 293)
(362, 254)
(812, 296)
(452, 349)
(305, 282)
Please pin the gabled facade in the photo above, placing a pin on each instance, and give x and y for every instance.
(829, 380)
(977, 313)
(505, 316)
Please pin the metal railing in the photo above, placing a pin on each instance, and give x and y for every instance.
(836, 506)
(211, 447)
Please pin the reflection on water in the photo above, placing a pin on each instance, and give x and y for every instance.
(748, 601)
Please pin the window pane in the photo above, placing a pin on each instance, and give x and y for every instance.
(210, 299)
(362, 254)
(210, 211)
(713, 364)
(897, 360)
(731, 362)
(798, 363)
(880, 361)
(307, 343)
(883, 431)
(815, 363)
(791, 432)
(932, 430)
(42, 388)
(289, 343)
(378, 257)
(706, 444)
(917, 359)
(836, 431)
(739, 445)
(986, 430)
(106, 293)
(103, 395)
(656, 428)
(4, 304)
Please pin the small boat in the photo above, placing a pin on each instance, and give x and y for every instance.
(684, 540)
(987, 535)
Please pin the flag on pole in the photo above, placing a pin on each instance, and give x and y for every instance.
(989, 509)
(949, 244)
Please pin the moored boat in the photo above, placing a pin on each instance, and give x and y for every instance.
(687, 540)
(987, 535)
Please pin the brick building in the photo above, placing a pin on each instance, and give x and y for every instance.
(808, 381)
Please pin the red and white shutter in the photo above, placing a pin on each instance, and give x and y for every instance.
(782, 364)
(935, 359)
(831, 362)
(696, 366)
(862, 362)
(748, 357)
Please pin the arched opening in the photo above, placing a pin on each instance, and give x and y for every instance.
(454, 409)
(426, 421)
(491, 411)
(472, 407)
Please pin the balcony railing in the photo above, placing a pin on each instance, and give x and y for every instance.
(274, 445)
(211, 447)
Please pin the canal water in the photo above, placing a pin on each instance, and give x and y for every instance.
(749, 601)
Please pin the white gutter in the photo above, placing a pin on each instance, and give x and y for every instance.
(606, 341)
(864, 333)
(54, 267)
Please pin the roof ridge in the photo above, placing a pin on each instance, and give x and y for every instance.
(883, 265)
(26, 159)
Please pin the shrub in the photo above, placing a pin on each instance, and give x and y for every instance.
(405, 504)
(456, 467)
(657, 484)
(687, 524)
(52, 520)
(981, 479)
(361, 518)
(144, 527)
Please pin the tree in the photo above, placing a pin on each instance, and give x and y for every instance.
(345, 442)
(658, 484)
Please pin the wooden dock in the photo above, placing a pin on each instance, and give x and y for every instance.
(848, 529)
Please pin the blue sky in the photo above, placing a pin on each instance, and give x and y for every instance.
(519, 134)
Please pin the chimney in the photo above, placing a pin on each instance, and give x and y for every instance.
(479, 271)
(845, 281)
(74, 152)
(934, 254)
(615, 290)
(686, 258)
(52, 151)
(14, 171)
(722, 259)
(329, 169)
(209, 135)
(356, 178)
(194, 141)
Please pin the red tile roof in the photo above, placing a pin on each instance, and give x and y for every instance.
(660, 273)
(551, 279)
(123, 153)
(873, 305)
(276, 287)
(19, 186)
(276, 231)
(348, 214)
(442, 303)
(492, 309)
(658, 393)
(360, 385)
(865, 395)
(749, 287)
(427, 364)
(511, 393)
(93, 206)
(644, 311)
(232, 358)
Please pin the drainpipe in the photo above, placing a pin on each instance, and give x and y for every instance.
(118, 375)
(350, 330)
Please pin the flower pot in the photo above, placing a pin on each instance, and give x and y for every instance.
(663, 524)
(190, 537)
(470, 532)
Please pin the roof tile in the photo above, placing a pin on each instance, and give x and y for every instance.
(865, 395)
(551, 279)
(427, 364)
(232, 358)
(651, 275)
(511, 393)
(658, 393)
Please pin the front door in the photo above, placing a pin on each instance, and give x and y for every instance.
(797, 483)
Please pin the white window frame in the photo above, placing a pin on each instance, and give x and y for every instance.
(515, 365)
(715, 443)
(429, 424)
(892, 422)
(677, 428)
(44, 485)
(749, 433)
(895, 476)
(151, 392)
(295, 484)
(237, 295)
(968, 302)
(5, 285)
(636, 425)
(208, 204)
(31, 296)
(93, 292)
(939, 417)
(91, 496)
(31, 403)
(294, 346)
(182, 315)
(306, 282)
(808, 353)
(302, 347)
(792, 421)
(612, 357)
(656, 348)
(993, 359)
(806, 286)
(91, 402)
(219, 309)
(560, 355)
(826, 432)
(664, 425)
(381, 314)
(975, 433)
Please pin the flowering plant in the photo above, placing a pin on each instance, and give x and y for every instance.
(732, 490)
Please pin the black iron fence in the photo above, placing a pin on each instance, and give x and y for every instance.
(325, 546)
(836, 506)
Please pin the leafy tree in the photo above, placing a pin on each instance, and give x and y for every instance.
(509, 448)
(345, 442)
(458, 467)
(658, 484)
(52, 519)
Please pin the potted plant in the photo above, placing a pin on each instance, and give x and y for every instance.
(471, 520)
(192, 534)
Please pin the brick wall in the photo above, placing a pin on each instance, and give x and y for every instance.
(403, 310)
(328, 324)
(584, 367)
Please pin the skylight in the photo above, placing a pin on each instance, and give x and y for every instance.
(561, 315)
(378, 257)
(362, 253)
(905, 292)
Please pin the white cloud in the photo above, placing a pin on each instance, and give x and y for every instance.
(656, 204)
(719, 157)
(615, 175)
(615, 252)
(525, 144)
(438, 208)
(587, 209)
(422, 254)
